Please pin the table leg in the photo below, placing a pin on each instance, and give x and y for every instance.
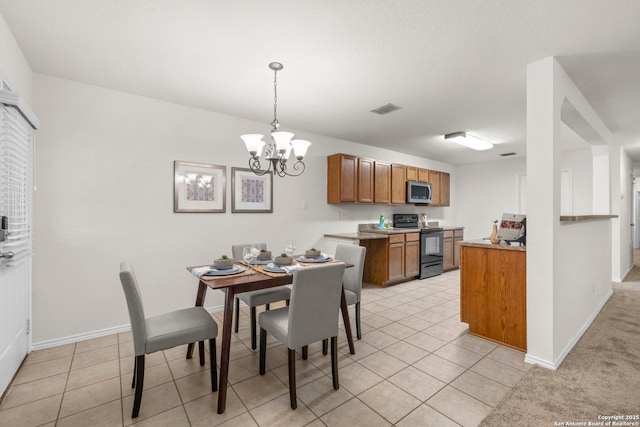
(347, 322)
(226, 348)
(202, 291)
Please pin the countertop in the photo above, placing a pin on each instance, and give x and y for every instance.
(376, 233)
(488, 245)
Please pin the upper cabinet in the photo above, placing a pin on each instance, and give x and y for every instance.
(382, 182)
(352, 179)
(342, 178)
(365, 180)
(398, 184)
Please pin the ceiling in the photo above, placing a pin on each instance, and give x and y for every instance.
(452, 65)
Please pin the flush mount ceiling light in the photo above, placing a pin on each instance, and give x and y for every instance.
(278, 150)
(470, 141)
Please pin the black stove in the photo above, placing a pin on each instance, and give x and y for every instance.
(431, 242)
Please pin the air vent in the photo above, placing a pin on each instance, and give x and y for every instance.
(386, 109)
(507, 154)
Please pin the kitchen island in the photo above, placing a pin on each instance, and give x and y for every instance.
(493, 291)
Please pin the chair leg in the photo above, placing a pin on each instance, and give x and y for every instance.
(292, 379)
(305, 352)
(201, 352)
(253, 328)
(325, 346)
(135, 364)
(263, 350)
(334, 362)
(139, 384)
(237, 314)
(212, 362)
(358, 327)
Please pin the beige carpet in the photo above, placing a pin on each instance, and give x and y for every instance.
(601, 375)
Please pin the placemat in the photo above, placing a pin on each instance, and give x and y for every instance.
(260, 269)
(307, 264)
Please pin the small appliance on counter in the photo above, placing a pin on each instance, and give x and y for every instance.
(431, 244)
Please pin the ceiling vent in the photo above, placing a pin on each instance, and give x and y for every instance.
(507, 154)
(386, 109)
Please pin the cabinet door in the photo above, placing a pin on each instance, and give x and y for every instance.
(412, 255)
(396, 261)
(434, 179)
(382, 182)
(398, 184)
(423, 175)
(412, 173)
(447, 250)
(342, 181)
(365, 180)
(458, 236)
(445, 183)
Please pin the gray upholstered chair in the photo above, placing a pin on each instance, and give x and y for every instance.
(311, 316)
(352, 281)
(164, 331)
(254, 299)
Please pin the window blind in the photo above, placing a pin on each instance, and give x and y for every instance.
(16, 181)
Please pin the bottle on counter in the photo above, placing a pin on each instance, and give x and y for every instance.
(381, 224)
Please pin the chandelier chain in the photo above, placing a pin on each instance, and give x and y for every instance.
(275, 123)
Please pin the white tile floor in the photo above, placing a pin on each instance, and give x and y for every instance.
(416, 365)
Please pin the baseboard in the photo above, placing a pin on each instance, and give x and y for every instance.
(94, 334)
(624, 276)
(556, 363)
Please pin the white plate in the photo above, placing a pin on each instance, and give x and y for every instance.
(322, 258)
(271, 267)
(226, 272)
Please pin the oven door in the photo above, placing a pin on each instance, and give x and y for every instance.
(431, 246)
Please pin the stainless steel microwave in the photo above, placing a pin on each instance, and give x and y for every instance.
(418, 192)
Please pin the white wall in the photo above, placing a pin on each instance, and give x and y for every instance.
(485, 192)
(568, 264)
(105, 194)
(13, 65)
(580, 164)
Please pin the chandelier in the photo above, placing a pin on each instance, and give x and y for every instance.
(278, 150)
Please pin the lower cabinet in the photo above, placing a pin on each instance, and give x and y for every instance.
(392, 260)
(451, 248)
(411, 255)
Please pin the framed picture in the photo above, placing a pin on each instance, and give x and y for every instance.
(251, 192)
(199, 187)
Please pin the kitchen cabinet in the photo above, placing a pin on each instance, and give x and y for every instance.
(445, 188)
(365, 180)
(396, 257)
(434, 179)
(423, 175)
(342, 178)
(493, 292)
(398, 184)
(451, 248)
(381, 182)
(392, 260)
(411, 255)
(352, 179)
(412, 173)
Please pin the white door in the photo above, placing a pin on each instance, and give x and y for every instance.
(16, 185)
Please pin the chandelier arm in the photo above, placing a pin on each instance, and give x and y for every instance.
(256, 167)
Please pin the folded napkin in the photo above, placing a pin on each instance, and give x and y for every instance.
(289, 269)
(201, 271)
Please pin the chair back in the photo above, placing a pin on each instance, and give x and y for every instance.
(314, 304)
(352, 254)
(136, 311)
(236, 250)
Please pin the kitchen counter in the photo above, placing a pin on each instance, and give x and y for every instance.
(485, 244)
(357, 236)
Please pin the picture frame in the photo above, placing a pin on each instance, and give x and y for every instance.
(251, 193)
(199, 187)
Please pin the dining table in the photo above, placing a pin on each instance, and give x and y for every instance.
(253, 277)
